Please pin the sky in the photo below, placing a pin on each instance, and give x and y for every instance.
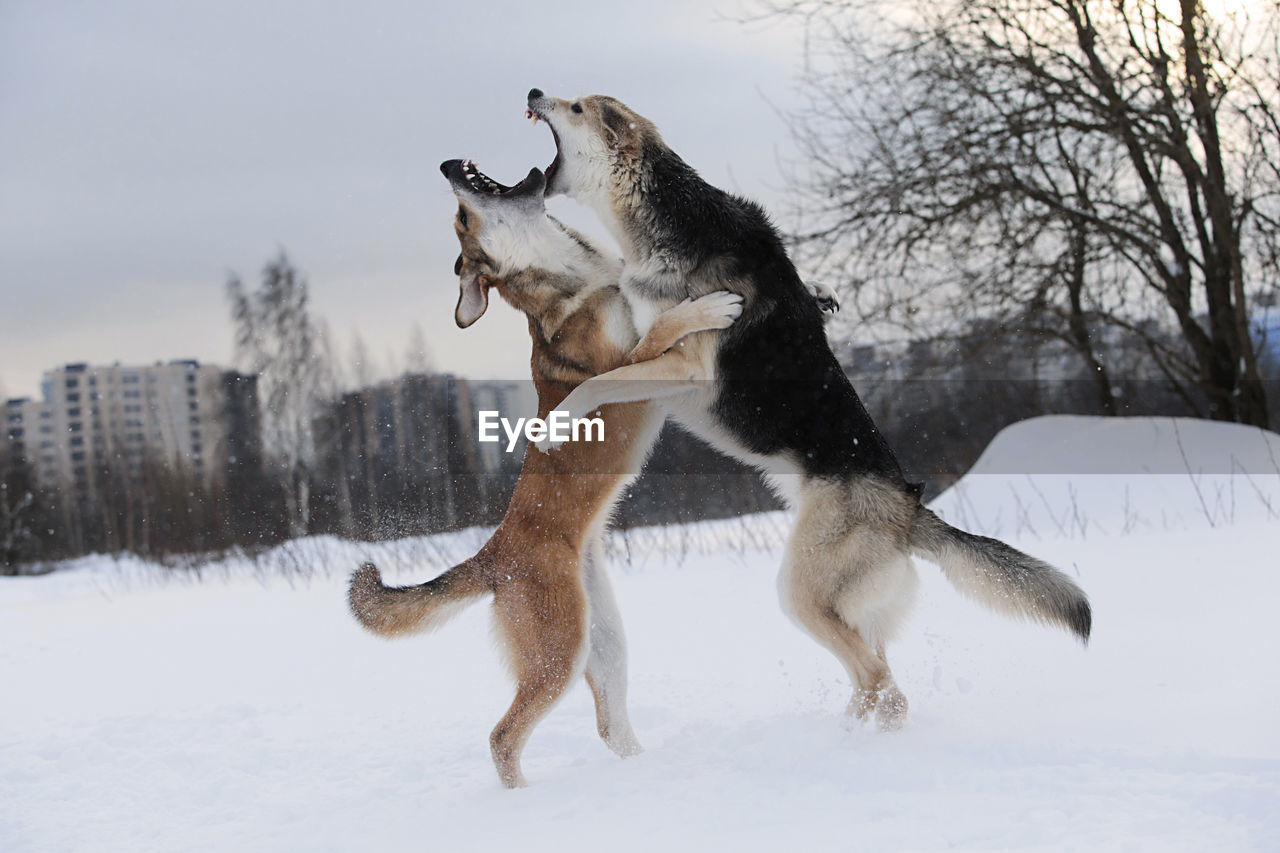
(152, 149)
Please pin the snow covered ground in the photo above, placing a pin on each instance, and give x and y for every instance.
(148, 710)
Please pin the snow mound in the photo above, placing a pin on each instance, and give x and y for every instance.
(1072, 476)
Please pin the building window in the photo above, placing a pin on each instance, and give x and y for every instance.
(73, 412)
(193, 405)
(77, 441)
(191, 392)
(78, 456)
(73, 398)
(73, 383)
(16, 432)
(74, 426)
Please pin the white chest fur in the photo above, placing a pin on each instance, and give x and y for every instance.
(643, 310)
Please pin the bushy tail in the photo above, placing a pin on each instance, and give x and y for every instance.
(391, 611)
(1001, 577)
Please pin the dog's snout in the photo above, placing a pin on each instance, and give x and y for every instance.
(534, 94)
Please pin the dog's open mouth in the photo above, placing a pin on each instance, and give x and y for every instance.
(467, 173)
(533, 116)
(482, 183)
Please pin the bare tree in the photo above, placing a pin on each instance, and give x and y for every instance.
(363, 370)
(1061, 166)
(418, 354)
(277, 339)
(18, 539)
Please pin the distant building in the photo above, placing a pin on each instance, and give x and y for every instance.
(1266, 331)
(417, 420)
(184, 415)
(406, 452)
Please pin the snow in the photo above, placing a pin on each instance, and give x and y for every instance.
(1068, 475)
(149, 710)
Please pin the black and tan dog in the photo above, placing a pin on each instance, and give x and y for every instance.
(769, 391)
(553, 604)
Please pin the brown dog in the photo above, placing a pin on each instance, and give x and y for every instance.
(543, 566)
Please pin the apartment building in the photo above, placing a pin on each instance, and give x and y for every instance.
(92, 418)
(418, 420)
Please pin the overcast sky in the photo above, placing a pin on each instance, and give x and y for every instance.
(150, 149)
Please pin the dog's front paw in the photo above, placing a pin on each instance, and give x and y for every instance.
(718, 310)
(824, 295)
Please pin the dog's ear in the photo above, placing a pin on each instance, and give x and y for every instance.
(619, 129)
(473, 299)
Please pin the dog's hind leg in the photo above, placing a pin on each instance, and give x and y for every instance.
(877, 608)
(543, 623)
(607, 658)
(846, 583)
(820, 616)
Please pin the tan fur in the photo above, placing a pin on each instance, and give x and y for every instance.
(553, 607)
(847, 578)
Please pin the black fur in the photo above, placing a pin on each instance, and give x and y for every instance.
(782, 387)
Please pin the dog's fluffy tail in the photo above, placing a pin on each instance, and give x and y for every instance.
(391, 611)
(1001, 577)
